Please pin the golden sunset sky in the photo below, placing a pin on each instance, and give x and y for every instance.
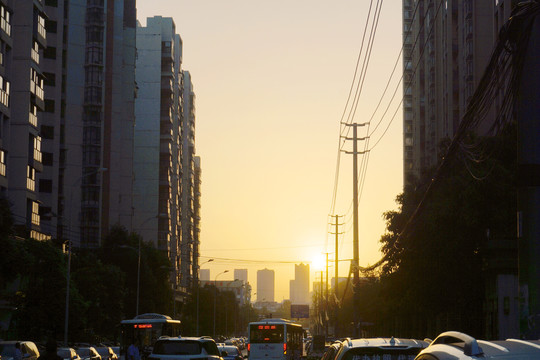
(272, 78)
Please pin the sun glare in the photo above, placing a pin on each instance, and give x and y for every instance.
(317, 262)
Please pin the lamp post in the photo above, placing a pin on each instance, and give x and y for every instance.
(69, 245)
(198, 286)
(139, 264)
(215, 296)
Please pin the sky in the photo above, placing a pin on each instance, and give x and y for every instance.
(272, 81)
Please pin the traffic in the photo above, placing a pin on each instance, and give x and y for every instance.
(158, 337)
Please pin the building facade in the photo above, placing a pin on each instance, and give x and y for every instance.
(22, 42)
(299, 287)
(265, 285)
(158, 129)
(241, 274)
(188, 257)
(71, 176)
(446, 47)
(97, 119)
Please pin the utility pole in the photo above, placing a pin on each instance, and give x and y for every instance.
(336, 286)
(326, 307)
(356, 253)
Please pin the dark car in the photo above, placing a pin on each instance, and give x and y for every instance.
(230, 352)
(28, 348)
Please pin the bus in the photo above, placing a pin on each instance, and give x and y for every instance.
(144, 330)
(275, 339)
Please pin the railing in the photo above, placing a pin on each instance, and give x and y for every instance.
(4, 23)
(30, 184)
(35, 56)
(41, 27)
(4, 98)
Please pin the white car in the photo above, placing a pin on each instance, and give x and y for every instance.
(185, 348)
(453, 345)
(374, 349)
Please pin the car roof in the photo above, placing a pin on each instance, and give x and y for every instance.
(385, 343)
(456, 345)
(185, 338)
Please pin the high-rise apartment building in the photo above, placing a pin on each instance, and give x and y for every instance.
(22, 41)
(446, 47)
(97, 118)
(299, 287)
(158, 149)
(265, 285)
(196, 217)
(188, 257)
(66, 136)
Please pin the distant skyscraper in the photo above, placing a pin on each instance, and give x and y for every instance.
(265, 285)
(299, 287)
(241, 274)
(204, 274)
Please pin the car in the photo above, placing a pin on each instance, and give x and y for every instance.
(374, 348)
(230, 352)
(454, 345)
(28, 348)
(88, 353)
(106, 353)
(185, 348)
(68, 353)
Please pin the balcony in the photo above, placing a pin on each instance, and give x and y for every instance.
(166, 85)
(33, 119)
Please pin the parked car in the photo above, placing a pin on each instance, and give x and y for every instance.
(88, 353)
(230, 352)
(68, 353)
(185, 348)
(453, 345)
(106, 353)
(374, 348)
(28, 348)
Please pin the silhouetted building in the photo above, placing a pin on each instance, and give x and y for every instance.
(265, 285)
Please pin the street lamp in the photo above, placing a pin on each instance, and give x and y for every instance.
(198, 286)
(215, 296)
(69, 245)
(139, 264)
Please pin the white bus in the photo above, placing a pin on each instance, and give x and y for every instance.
(145, 330)
(275, 339)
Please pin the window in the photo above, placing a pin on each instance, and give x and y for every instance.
(49, 52)
(35, 213)
(5, 20)
(2, 163)
(37, 148)
(52, 3)
(49, 105)
(4, 91)
(47, 132)
(35, 52)
(47, 158)
(30, 178)
(45, 186)
(32, 117)
(49, 79)
(41, 26)
(50, 26)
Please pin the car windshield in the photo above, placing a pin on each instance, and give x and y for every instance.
(7, 350)
(376, 353)
(103, 351)
(64, 353)
(83, 352)
(231, 350)
(177, 348)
